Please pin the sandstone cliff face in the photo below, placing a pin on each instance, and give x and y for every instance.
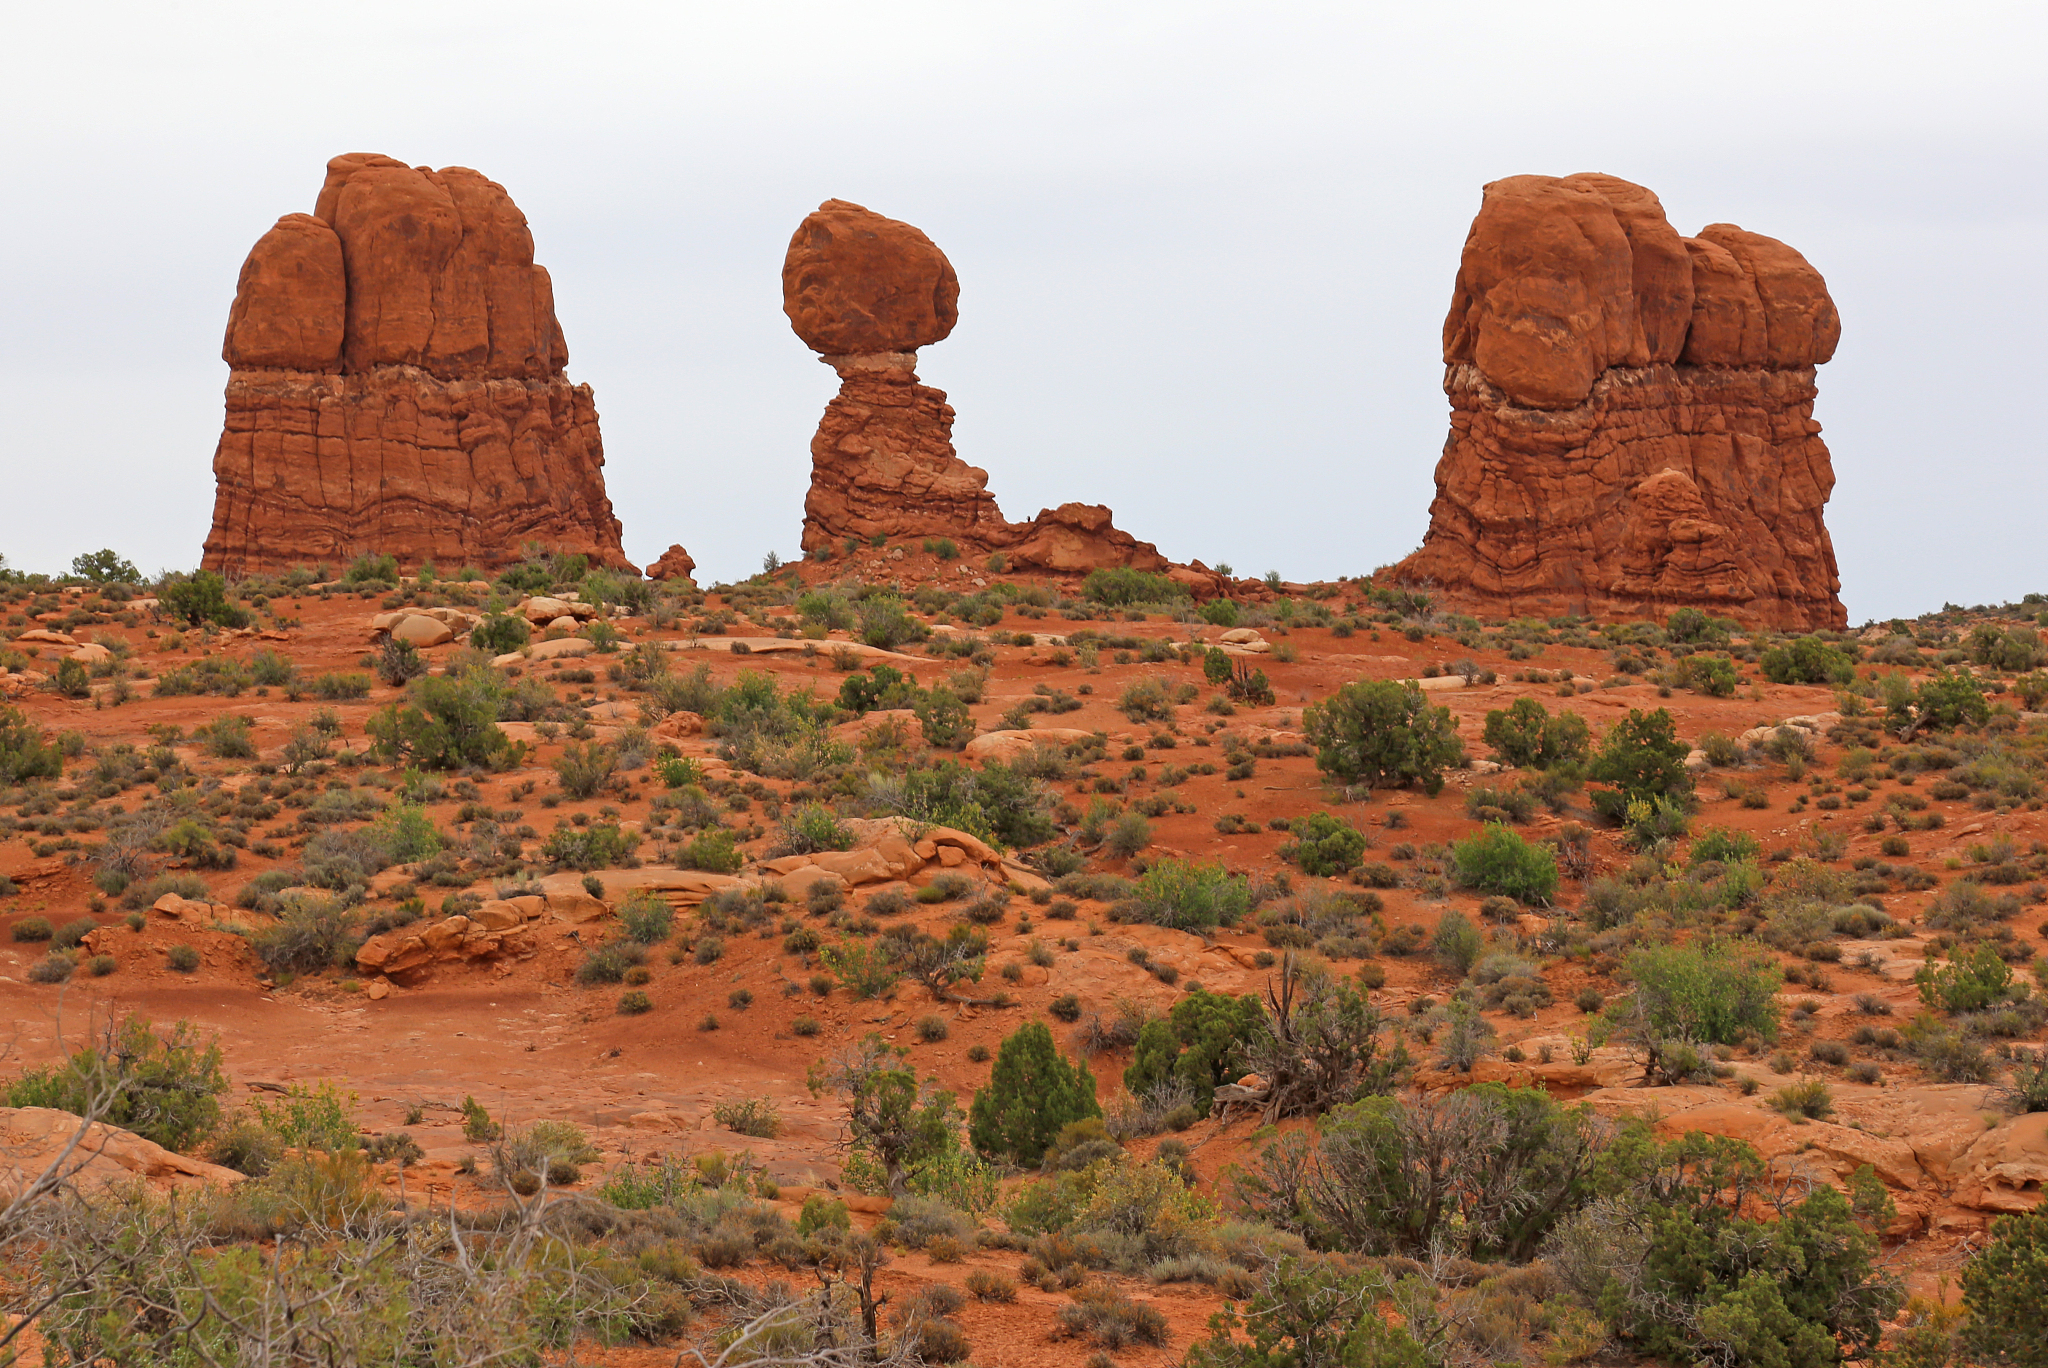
(1631, 415)
(397, 386)
(867, 292)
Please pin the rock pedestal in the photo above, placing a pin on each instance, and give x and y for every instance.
(397, 386)
(1631, 416)
(866, 292)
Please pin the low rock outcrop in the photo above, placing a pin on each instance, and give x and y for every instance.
(397, 386)
(1631, 416)
(37, 1141)
(866, 292)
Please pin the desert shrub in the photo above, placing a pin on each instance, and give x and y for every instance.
(1643, 760)
(609, 962)
(448, 722)
(1685, 1260)
(584, 770)
(1202, 1041)
(165, 1086)
(1500, 861)
(1964, 906)
(182, 958)
(311, 1116)
(500, 633)
(883, 621)
(809, 828)
(1121, 586)
(1109, 1318)
(338, 860)
(1689, 997)
(228, 737)
(340, 687)
(371, 568)
(26, 751)
(1031, 1093)
(55, 967)
(1527, 734)
(601, 845)
(551, 1152)
(1188, 896)
(1971, 982)
(755, 1116)
(985, 1284)
(635, 1003)
(399, 661)
(2002, 1290)
(1811, 1099)
(1380, 733)
(646, 918)
(712, 851)
(1456, 941)
(30, 930)
(943, 719)
(1488, 1170)
(201, 598)
(864, 969)
(1807, 660)
(1304, 1304)
(311, 933)
(1951, 698)
(1323, 846)
(1319, 1045)
(71, 933)
(1726, 847)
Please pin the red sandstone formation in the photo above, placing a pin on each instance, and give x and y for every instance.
(1631, 415)
(397, 386)
(867, 292)
(675, 564)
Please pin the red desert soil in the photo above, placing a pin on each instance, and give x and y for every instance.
(517, 1033)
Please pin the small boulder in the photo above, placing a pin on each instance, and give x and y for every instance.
(498, 916)
(576, 907)
(417, 629)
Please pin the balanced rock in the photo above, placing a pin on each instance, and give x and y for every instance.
(866, 292)
(855, 282)
(1632, 416)
(397, 386)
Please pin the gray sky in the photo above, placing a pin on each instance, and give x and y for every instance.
(1204, 250)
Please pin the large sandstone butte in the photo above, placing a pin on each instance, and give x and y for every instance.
(866, 292)
(1631, 416)
(397, 386)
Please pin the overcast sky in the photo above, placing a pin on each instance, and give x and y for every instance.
(1204, 250)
